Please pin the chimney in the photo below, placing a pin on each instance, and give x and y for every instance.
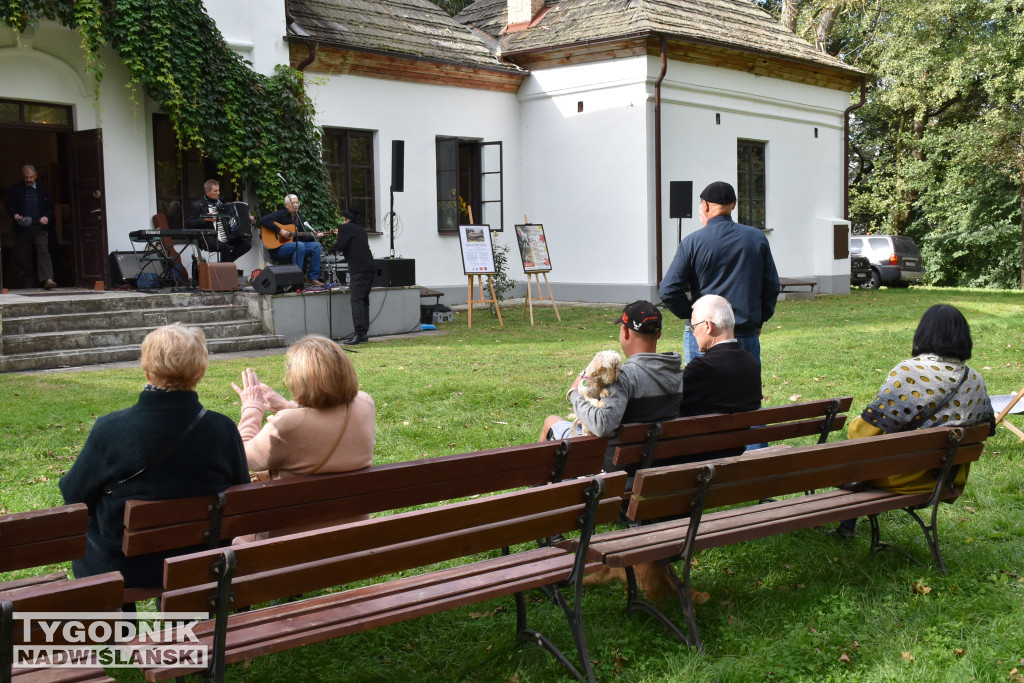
(523, 11)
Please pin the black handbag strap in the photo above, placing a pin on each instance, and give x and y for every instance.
(109, 488)
(921, 417)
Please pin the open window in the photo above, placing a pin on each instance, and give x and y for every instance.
(469, 184)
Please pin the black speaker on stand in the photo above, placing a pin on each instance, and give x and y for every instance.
(680, 203)
(278, 279)
(397, 181)
(124, 268)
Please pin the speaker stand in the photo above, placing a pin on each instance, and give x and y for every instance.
(470, 301)
(540, 295)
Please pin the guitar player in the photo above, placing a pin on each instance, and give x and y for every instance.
(295, 243)
(198, 218)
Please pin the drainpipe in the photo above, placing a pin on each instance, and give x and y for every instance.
(311, 45)
(657, 157)
(846, 144)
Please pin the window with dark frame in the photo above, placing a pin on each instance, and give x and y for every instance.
(750, 186)
(19, 114)
(348, 155)
(180, 174)
(469, 184)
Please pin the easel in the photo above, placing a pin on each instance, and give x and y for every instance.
(540, 293)
(540, 296)
(470, 301)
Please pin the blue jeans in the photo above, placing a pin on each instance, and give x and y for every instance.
(297, 251)
(751, 343)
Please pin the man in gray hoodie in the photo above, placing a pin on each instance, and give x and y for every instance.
(649, 389)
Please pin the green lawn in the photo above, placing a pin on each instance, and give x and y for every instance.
(799, 607)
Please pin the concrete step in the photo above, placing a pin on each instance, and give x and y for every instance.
(94, 339)
(44, 360)
(57, 303)
(123, 319)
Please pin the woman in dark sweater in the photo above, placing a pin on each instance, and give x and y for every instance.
(159, 448)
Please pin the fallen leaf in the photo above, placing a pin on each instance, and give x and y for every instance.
(970, 509)
(619, 660)
(729, 571)
(959, 652)
(699, 597)
(908, 657)
(811, 629)
(920, 587)
(794, 397)
(844, 658)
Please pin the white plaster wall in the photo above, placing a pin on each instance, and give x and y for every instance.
(47, 64)
(804, 173)
(254, 29)
(418, 113)
(586, 175)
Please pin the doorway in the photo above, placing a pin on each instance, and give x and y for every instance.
(70, 164)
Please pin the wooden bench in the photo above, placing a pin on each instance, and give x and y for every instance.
(100, 593)
(686, 491)
(319, 500)
(258, 572)
(789, 285)
(41, 537)
(641, 446)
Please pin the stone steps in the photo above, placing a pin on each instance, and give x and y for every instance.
(112, 354)
(79, 328)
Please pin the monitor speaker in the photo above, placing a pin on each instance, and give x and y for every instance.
(398, 165)
(680, 199)
(394, 272)
(124, 268)
(278, 279)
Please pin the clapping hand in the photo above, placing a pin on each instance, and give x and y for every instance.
(251, 389)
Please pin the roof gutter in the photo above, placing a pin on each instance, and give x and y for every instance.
(846, 144)
(657, 156)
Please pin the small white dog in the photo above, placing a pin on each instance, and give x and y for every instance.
(602, 371)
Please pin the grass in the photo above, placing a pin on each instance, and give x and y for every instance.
(798, 607)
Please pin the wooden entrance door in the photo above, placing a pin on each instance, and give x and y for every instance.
(88, 207)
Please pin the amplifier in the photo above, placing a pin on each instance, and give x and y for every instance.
(124, 268)
(394, 272)
(218, 277)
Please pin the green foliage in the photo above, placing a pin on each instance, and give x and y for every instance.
(252, 125)
(937, 151)
(502, 279)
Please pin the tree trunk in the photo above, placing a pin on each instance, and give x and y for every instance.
(790, 11)
(1022, 227)
(826, 20)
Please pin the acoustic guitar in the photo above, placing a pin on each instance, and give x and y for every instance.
(272, 240)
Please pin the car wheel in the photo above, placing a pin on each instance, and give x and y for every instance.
(875, 282)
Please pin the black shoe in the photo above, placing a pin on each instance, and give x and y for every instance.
(846, 529)
(355, 339)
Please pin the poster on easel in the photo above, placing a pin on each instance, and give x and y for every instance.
(533, 248)
(477, 250)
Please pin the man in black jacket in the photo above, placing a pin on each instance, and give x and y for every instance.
(31, 209)
(229, 247)
(352, 242)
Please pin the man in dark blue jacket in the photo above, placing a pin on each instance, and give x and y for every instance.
(728, 259)
(31, 209)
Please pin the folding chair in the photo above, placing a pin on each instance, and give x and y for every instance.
(1008, 405)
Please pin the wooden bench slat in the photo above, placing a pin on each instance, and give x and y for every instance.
(314, 499)
(31, 581)
(703, 424)
(40, 537)
(669, 447)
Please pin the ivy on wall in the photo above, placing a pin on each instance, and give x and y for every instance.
(252, 125)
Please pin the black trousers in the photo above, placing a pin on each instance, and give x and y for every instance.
(359, 290)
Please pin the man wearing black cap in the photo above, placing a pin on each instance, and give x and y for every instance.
(728, 259)
(649, 388)
(353, 244)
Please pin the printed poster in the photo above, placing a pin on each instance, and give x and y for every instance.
(477, 250)
(533, 248)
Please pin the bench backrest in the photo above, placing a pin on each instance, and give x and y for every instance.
(667, 491)
(41, 537)
(100, 593)
(694, 436)
(152, 526)
(342, 554)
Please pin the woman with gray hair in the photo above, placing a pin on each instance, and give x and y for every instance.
(165, 446)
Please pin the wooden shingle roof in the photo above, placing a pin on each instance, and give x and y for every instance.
(413, 28)
(730, 24)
